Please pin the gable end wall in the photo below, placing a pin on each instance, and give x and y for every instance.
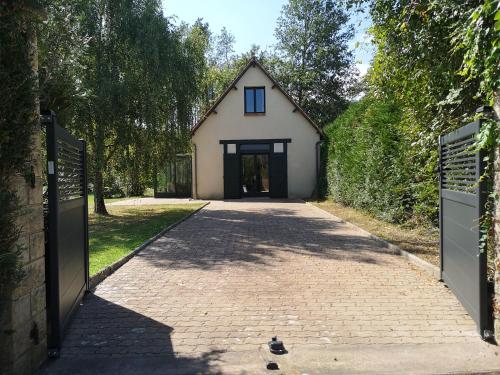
(230, 123)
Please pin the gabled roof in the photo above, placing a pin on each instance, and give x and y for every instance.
(252, 63)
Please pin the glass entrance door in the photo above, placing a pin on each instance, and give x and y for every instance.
(255, 174)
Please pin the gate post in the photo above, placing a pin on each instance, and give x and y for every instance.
(440, 166)
(496, 224)
(86, 210)
(23, 320)
(22, 304)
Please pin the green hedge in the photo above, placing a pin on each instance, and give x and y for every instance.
(368, 164)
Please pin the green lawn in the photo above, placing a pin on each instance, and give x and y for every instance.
(112, 237)
(107, 200)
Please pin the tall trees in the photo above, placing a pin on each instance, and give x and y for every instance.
(104, 80)
(417, 64)
(436, 61)
(193, 68)
(219, 65)
(312, 59)
(124, 78)
(224, 47)
(315, 63)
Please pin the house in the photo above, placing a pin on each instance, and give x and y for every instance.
(255, 141)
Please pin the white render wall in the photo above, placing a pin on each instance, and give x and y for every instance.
(230, 123)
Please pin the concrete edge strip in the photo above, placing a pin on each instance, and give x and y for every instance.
(390, 247)
(109, 270)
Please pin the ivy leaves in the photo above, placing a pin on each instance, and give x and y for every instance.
(18, 121)
(478, 39)
(437, 61)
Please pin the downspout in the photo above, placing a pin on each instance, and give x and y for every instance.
(318, 162)
(195, 195)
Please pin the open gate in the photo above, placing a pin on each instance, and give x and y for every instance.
(66, 228)
(462, 201)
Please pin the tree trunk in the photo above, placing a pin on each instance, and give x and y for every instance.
(136, 187)
(99, 206)
(303, 63)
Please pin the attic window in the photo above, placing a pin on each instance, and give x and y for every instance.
(255, 100)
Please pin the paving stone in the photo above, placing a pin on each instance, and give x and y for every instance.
(238, 273)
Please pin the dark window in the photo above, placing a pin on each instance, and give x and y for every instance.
(255, 100)
(254, 147)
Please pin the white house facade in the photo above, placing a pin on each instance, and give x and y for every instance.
(255, 141)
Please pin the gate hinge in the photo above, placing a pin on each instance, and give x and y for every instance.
(488, 334)
(53, 352)
(50, 167)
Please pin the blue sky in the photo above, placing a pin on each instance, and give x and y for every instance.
(254, 22)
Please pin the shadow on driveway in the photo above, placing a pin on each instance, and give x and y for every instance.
(106, 338)
(217, 238)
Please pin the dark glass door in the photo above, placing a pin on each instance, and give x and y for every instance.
(255, 174)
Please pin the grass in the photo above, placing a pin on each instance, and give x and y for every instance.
(114, 236)
(420, 241)
(107, 200)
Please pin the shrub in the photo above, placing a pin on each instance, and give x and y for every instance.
(365, 156)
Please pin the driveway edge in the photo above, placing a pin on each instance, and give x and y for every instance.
(109, 270)
(391, 248)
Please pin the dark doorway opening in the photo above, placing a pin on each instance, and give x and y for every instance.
(255, 168)
(255, 175)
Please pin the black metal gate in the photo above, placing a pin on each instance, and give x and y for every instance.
(67, 252)
(462, 201)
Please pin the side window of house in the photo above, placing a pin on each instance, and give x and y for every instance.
(255, 100)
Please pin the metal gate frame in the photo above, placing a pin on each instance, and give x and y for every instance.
(460, 185)
(63, 297)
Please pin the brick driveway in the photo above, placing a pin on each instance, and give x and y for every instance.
(221, 284)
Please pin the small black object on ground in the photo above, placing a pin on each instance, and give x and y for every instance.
(276, 346)
(271, 365)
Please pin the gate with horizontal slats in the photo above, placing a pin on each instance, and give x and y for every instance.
(462, 202)
(66, 231)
